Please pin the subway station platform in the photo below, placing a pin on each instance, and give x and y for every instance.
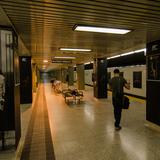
(85, 131)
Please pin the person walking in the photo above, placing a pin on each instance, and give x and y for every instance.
(116, 84)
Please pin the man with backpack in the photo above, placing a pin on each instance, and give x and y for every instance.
(116, 84)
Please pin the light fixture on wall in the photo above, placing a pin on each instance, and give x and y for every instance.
(100, 29)
(128, 53)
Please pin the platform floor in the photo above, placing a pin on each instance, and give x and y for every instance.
(86, 131)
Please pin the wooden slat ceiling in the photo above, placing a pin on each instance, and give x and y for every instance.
(46, 25)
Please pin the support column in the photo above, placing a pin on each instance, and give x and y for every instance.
(59, 75)
(64, 74)
(80, 76)
(38, 76)
(70, 76)
(153, 82)
(99, 78)
(26, 80)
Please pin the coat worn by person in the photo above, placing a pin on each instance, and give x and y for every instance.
(117, 83)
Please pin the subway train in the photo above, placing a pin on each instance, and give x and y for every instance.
(135, 74)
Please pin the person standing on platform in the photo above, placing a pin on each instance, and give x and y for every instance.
(2, 90)
(116, 84)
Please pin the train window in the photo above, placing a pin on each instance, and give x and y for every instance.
(137, 79)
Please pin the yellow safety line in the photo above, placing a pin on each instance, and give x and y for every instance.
(137, 99)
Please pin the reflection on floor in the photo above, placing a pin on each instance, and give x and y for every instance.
(86, 131)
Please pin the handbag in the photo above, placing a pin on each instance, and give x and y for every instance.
(124, 99)
(125, 102)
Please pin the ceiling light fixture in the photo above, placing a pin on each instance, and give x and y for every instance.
(62, 61)
(75, 49)
(45, 61)
(88, 62)
(129, 53)
(65, 57)
(100, 29)
(141, 50)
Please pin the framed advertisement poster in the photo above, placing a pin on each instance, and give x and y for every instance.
(154, 67)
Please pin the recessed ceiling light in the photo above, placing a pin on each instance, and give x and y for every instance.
(65, 57)
(100, 29)
(75, 49)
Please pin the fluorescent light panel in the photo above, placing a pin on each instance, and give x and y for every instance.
(113, 57)
(141, 50)
(65, 57)
(128, 53)
(88, 62)
(75, 49)
(61, 61)
(45, 61)
(101, 29)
